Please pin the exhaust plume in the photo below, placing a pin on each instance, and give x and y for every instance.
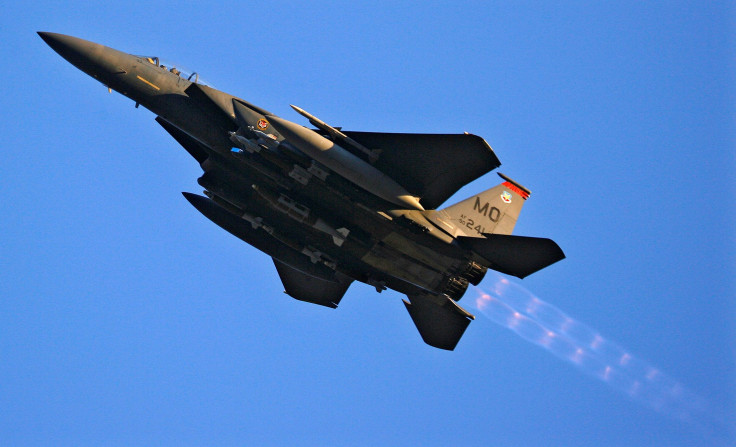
(512, 306)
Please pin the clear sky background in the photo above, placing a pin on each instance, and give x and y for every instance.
(127, 318)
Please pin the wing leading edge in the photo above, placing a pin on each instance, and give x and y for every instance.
(431, 166)
(307, 288)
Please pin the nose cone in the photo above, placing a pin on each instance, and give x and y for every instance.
(83, 54)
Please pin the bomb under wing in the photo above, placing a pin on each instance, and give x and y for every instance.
(329, 206)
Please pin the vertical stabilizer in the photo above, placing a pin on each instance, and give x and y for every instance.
(493, 211)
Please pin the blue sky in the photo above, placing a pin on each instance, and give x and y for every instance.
(126, 318)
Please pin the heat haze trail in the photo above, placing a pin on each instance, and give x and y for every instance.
(514, 307)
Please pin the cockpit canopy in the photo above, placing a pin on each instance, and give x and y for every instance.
(191, 76)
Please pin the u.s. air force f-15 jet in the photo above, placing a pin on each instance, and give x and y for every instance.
(332, 206)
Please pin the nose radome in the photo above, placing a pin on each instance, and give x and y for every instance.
(81, 53)
(51, 38)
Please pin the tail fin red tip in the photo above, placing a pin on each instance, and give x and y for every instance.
(516, 187)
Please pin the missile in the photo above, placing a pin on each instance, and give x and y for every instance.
(344, 163)
(301, 213)
(244, 143)
(336, 134)
(262, 240)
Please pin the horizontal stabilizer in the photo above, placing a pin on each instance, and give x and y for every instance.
(310, 289)
(440, 321)
(518, 256)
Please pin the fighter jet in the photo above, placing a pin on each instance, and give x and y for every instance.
(332, 206)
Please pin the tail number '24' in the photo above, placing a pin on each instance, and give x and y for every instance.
(493, 214)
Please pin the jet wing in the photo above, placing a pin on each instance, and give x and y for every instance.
(194, 147)
(431, 166)
(310, 289)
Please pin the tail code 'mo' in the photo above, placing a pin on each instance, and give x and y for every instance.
(493, 211)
